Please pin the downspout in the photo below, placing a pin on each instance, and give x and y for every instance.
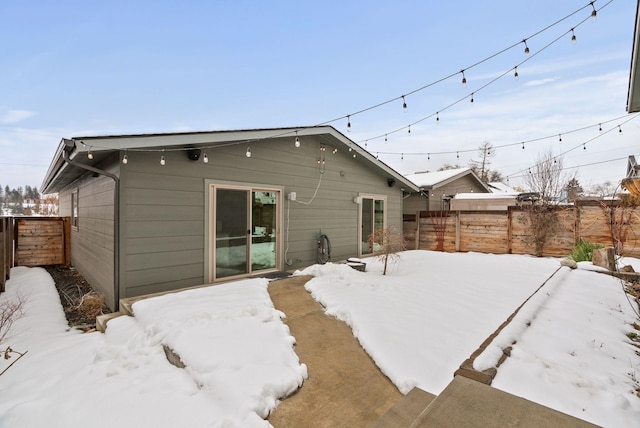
(116, 218)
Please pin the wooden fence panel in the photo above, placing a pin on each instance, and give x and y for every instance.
(502, 232)
(483, 232)
(42, 241)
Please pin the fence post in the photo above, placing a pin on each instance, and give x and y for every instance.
(457, 231)
(416, 244)
(509, 230)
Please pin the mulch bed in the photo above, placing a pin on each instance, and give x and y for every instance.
(79, 300)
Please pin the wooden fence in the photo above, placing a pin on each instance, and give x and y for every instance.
(42, 241)
(33, 241)
(509, 232)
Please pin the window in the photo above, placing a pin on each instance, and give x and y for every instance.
(74, 209)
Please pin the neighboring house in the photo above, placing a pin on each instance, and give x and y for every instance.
(437, 189)
(158, 212)
(500, 199)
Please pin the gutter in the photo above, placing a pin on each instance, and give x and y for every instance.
(70, 145)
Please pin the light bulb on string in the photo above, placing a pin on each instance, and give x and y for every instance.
(205, 158)
(428, 156)
(162, 160)
(471, 96)
(335, 150)
(438, 117)
(560, 138)
(354, 155)
(464, 79)
(385, 138)
(526, 47)
(248, 152)
(584, 146)
(457, 155)
(348, 123)
(619, 130)
(594, 13)
(90, 155)
(515, 72)
(404, 105)
(125, 159)
(401, 156)
(523, 145)
(297, 141)
(600, 127)
(573, 37)
(409, 130)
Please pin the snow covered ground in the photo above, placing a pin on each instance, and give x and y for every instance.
(419, 323)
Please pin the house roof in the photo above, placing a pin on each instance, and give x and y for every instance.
(61, 173)
(498, 187)
(433, 180)
(633, 97)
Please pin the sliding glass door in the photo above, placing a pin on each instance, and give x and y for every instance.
(245, 231)
(372, 223)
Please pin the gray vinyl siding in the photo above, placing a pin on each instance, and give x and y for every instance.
(163, 207)
(92, 241)
(465, 184)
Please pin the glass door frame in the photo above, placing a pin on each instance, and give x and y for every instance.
(210, 230)
(374, 198)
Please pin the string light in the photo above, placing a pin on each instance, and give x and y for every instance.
(619, 130)
(348, 123)
(560, 138)
(526, 47)
(594, 12)
(438, 117)
(464, 79)
(523, 145)
(584, 146)
(385, 138)
(404, 105)
(573, 37)
(90, 155)
(125, 159)
(457, 155)
(600, 127)
(402, 156)
(335, 150)
(471, 96)
(162, 160)
(297, 142)
(515, 72)
(428, 156)
(248, 153)
(205, 158)
(409, 129)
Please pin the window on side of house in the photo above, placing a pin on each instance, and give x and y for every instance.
(74, 209)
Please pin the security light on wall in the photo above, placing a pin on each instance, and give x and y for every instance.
(391, 182)
(194, 154)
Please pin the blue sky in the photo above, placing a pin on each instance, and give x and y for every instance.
(74, 68)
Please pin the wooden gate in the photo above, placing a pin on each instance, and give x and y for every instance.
(42, 241)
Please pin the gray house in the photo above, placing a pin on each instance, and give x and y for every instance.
(159, 212)
(438, 188)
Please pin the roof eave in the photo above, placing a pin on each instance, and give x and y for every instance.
(633, 95)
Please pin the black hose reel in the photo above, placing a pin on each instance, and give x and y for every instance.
(324, 249)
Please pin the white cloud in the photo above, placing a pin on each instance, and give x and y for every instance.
(13, 116)
(539, 82)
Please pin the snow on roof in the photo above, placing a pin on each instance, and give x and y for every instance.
(425, 179)
(485, 196)
(498, 187)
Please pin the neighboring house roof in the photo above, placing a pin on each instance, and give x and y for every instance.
(61, 173)
(433, 180)
(485, 196)
(498, 187)
(633, 97)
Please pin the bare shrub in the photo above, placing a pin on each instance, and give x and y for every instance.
(90, 305)
(10, 311)
(388, 242)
